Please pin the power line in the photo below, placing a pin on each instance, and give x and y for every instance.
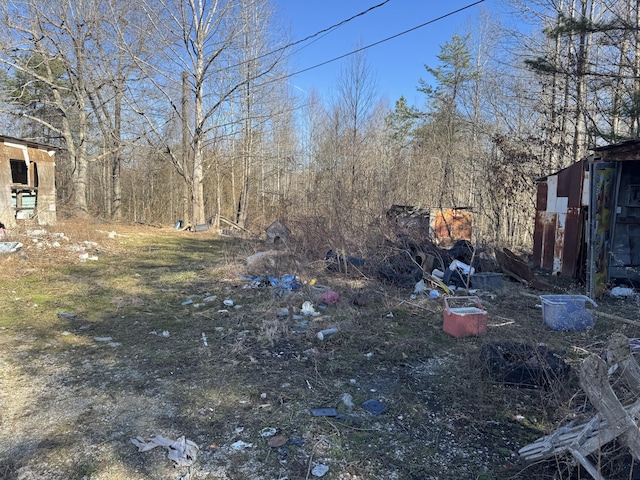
(332, 27)
(309, 37)
(442, 17)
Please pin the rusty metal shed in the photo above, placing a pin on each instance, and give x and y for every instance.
(559, 235)
(588, 219)
(27, 182)
(443, 225)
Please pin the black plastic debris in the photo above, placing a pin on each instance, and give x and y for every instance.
(375, 407)
(340, 263)
(402, 272)
(523, 365)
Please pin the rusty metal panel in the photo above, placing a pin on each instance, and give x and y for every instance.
(558, 245)
(546, 225)
(570, 183)
(452, 224)
(573, 237)
(541, 200)
(538, 235)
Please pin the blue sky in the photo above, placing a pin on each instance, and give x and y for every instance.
(397, 64)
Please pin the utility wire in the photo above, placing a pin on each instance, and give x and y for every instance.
(332, 27)
(309, 37)
(442, 17)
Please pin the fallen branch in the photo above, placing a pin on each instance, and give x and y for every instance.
(615, 317)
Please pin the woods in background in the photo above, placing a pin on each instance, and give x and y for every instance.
(176, 109)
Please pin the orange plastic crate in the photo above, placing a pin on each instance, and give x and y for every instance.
(464, 316)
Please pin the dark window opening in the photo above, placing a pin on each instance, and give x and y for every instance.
(19, 172)
(35, 175)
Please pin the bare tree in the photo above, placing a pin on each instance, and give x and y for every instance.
(201, 38)
(47, 46)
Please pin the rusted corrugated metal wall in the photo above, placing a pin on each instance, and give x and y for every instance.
(559, 224)
(451, 224)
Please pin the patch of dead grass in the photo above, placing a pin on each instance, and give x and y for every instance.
(87, 398)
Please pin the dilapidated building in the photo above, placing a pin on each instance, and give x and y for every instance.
(588, 218)
(442, 225)
(27, 182)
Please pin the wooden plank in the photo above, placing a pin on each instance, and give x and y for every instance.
(588, 466)
(615, 317)
(594, 379)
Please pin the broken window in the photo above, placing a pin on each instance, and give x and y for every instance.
(19, 172)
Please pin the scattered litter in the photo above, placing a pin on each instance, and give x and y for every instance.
(325, 333)
(622, 292)
(277, 441)
(307, 309)
(253, 259)
(420, 287)
(204, 340)
(165, 333)
(374, 406)
(390, 315)
(401, 271)
(228, 302)
(240, 445)
(181, 451)
(337, 263)
(256, 282)
(267, 432)
(347, 399)
(224, 310)
(209, 299)
(286, 283)
(330, 297)
(187, 302)
(301, 326)
(319, 470)
(324, 412)
(102, 339)
(114, 344)
(368, 354)
(284, 312)
(67, 316)
(10, 247)
(434, 294)
(65, 333)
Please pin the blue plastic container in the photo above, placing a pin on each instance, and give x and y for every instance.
(566, 312)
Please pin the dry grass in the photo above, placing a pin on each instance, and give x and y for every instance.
(70, 403)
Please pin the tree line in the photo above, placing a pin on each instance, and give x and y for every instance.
(181, 109)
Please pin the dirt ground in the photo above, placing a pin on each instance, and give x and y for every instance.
(114, 333)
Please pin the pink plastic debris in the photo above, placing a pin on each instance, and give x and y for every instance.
(330, 297)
